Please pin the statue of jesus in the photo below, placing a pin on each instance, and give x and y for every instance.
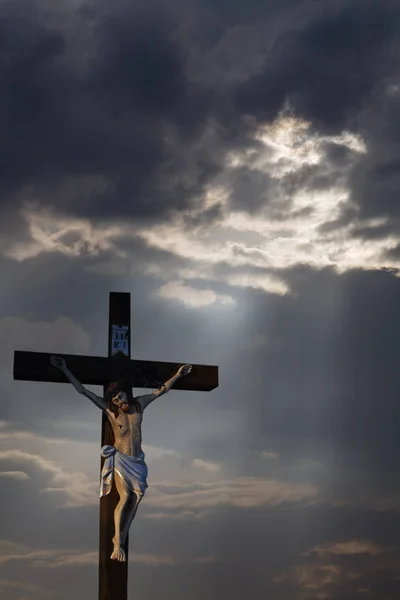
(125, 460)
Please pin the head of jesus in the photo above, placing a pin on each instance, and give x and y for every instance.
(119, 397)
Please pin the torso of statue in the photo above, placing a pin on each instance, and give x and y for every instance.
(127, 428)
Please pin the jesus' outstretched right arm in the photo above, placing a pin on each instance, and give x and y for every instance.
(59, 363)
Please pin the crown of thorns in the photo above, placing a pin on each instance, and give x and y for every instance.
(115, 387)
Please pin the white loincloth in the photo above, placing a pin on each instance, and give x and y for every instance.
(132, 469)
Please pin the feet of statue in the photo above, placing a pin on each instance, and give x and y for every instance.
(118, 554)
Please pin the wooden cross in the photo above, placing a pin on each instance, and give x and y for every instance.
(90, 370)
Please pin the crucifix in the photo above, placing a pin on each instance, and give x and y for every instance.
(123, 468)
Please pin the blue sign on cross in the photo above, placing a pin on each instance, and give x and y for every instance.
(119, 339)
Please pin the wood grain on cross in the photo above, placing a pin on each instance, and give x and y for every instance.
(89, 370)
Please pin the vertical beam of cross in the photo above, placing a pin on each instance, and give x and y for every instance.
(113, 575)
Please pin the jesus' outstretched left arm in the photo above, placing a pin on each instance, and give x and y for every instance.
(146, 399)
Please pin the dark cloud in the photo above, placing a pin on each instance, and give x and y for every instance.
(139, 67)
(372, 232)
(251, 190)
(337, 155)
(375, 180)
(130, 127)
(31, 72)
(256, 13)
(348, 215)
(110, 125)
(394, 252)
(375, 189)
(122, 132)
(328, 68)
(332, 171)
(206, 217)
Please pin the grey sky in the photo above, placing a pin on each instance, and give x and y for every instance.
(234, 167)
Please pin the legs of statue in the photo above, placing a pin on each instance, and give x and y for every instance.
(123, 516)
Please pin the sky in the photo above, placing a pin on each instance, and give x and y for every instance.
(235, 167)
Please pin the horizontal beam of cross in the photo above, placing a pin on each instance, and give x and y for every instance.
(92, 370)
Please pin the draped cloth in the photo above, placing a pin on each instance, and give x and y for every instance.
(132, 469)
